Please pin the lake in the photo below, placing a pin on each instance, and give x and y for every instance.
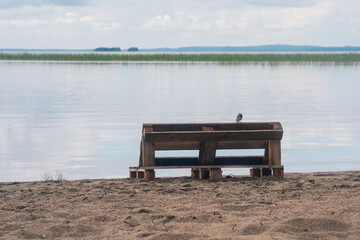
(84, 119)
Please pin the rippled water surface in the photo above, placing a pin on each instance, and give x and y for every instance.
(85, 119)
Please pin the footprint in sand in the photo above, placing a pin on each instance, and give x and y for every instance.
(254, 229)
(314, 227)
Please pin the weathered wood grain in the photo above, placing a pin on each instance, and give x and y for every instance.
(179, 136)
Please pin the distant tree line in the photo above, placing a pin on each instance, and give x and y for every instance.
(133, 49)
(105, 49)
(114, 49)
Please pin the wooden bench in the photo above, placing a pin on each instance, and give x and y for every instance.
(207, 138)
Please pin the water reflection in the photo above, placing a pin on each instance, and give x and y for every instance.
(85, 119)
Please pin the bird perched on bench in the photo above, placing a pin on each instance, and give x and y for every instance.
(239, 117)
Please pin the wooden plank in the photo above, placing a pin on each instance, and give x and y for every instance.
(274, 153)
(204, 173)
(148, 150)
(149, 174)
(266, 152)
(255, 172)
(190, 145)
(142, 145)
(132, 173)
(207, 128)
(195, 145)
(223, 161)
(244, 126)
(215, 174)
(242, 144)
(177, 161)
(149, 154)
(215, 126)
(141, 150)
(195, 173)
(278, 172)
(207, 151)
(213, 135)
(210, 166)
(177, 127)
(140, 174)
(275, 125)
(266, 172)
(243, 160)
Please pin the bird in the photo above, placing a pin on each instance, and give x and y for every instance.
(239, 117)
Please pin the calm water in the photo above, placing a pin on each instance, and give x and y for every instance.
(85, 119)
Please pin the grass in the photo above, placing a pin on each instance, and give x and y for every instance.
(203, 57)
(48, 177)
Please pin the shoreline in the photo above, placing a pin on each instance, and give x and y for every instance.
(322, 205)
(225, 177)
(185, 57)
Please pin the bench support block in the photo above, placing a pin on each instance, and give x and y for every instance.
(206, 173)
(136, 172)
(277, 172)
(139, 173)
(149, 174)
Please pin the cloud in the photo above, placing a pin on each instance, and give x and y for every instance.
(279, 18)
(354, 20)
(53, 19)
(21, 3)
(177, 23)
(283, 3)
(230, 18)
(158, 23)
(300, 17)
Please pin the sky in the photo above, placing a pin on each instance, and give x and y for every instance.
(87, 24)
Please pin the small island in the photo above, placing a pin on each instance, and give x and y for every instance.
(133, 49)
(105, 49)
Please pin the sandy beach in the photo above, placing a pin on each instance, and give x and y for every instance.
(300, 206)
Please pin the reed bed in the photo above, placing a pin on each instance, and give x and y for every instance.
(182, 57)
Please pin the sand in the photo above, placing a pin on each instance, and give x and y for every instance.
(300, 206)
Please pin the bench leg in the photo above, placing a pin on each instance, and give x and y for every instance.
(215, 174)
(278, 172)
(140, 174)
(132, 173)
(149, 174)
(204, 173)
(195, 173)
(266, 172)
(200, 173)
(260, 172)
(255, 172)
(136, 173)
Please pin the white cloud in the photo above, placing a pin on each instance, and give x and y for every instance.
(199, 26)
(21, 3)
(230, 21)
(90, 23)
(22, 23)
(283, 3)
(72, 19)
(279, 18)
(106, 26)
(354, 20)
(288, 18)
(158, 23)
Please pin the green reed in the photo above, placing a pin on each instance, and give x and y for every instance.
(183, 57)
